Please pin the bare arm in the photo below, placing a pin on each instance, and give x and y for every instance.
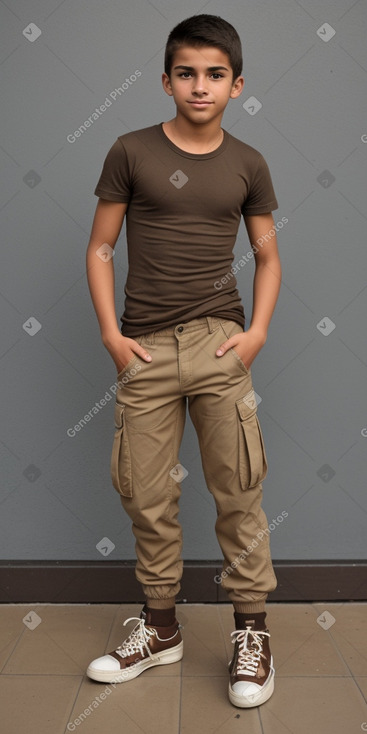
(266, 286)
(107, 223)
(268, 272)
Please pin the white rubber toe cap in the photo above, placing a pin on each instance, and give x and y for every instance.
(246, 688)
(105, 663)
(248, 693)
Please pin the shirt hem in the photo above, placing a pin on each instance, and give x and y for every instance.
(261, 209)
(129, 330)
(111, 196)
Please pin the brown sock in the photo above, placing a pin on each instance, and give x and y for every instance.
(255, 620)
(159, 617)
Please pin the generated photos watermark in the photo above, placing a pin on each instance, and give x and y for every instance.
(245, 258)
(72, 725)
(250, 548)
(98, 111)
(110, 393)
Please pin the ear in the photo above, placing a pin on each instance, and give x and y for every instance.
(237, 87)
(167, 84)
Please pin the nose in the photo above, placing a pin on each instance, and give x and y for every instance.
(199, 84)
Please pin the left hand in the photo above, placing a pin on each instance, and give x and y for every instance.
(247, 345)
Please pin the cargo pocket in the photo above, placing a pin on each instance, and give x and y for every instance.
(253, 464)
(121, 474)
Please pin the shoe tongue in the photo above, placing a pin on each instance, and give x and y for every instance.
(256, 621)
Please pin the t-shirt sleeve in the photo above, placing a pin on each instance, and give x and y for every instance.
(114, 182)
(261, 197)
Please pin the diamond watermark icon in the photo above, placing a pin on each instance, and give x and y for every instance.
(252, 399)
(32, 620)
(252, 105)
(32, 178)
(32, 472)
(326, 179)
(105, 252)
(326, 472)
(325, 326)
(257, 398)
(326, 620)
(178, 179)
(32, 326)
(178, 473)
(31, 32)
(105, 546)
(325, 32)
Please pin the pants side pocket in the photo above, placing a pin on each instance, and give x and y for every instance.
(121, 473)
(253, 462)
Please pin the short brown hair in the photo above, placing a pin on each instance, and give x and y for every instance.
(205, 30)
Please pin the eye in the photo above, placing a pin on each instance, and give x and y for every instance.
(185, 74)
(216, 75)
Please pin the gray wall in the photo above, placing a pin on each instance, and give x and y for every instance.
(57, 500)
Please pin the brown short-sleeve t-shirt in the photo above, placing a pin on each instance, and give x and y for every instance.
(183, 215)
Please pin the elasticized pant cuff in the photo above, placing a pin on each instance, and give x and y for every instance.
(161, 603)
(249, 607)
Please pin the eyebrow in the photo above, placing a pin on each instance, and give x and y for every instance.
(210, 68)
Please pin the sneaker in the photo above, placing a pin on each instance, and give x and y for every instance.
(251, 668)
(146, 646)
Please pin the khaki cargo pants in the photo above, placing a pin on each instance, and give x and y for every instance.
(150, 413)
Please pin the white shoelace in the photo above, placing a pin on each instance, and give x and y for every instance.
(137, 640)
(249, 657)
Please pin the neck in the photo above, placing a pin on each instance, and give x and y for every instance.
(194, 138)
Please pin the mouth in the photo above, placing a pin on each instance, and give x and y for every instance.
(200, 103)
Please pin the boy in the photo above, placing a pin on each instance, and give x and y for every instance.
(184, 185)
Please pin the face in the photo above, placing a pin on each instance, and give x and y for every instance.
(201, 83)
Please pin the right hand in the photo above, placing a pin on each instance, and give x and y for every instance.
(122, 350)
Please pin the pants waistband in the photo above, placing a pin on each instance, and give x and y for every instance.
(209, 323)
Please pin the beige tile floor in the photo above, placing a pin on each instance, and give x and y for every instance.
(321, 672)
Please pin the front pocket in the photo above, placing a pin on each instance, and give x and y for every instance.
(252, 457)
(135, 358)
(128, 366)
(230, 328)
(239, 360)
(121, 474)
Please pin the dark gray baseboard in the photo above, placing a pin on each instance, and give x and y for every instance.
(76, 582)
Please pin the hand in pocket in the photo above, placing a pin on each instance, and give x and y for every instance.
(122, 350)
